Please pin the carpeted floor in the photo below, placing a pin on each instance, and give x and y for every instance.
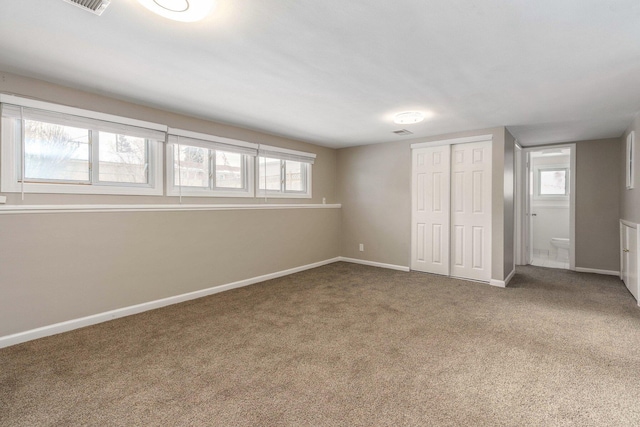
(347, 345)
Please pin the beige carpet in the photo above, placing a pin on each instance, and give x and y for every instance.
(347, 345)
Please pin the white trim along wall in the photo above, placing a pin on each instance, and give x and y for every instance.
(34, 209)
(70, 325)
(94, 319)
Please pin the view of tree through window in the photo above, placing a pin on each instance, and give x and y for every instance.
(193, 165)
(122, 158)
(207, 169)
(228, 170)
(56, 152)
(82, 152)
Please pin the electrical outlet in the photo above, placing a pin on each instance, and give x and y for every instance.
(361, 247)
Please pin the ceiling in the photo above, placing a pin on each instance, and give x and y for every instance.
(334, 72)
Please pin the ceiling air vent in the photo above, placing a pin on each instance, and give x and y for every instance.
(94, 6)
(403, 132)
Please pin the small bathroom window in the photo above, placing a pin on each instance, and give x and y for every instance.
(553, 182)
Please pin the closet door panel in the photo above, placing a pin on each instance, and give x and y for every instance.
(471, 212)
(430, 209)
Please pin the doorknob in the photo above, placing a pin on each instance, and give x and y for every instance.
(534, 214)
(625, 250)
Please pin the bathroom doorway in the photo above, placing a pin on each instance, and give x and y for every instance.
(550, 206)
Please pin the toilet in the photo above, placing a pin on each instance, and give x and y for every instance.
(561, 246)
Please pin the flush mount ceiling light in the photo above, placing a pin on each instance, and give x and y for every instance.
(408, 117)
(180, 10)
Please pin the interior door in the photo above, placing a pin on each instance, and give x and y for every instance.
(630, 259)
(430, 210)
(471, 211)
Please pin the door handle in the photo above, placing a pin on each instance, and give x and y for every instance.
(534, 214)
(625, 250)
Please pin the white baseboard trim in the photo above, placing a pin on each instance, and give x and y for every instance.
(503, 283)
(595, 270)
(374, 264)
(70, 325)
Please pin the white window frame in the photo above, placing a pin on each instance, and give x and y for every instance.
(11, 155)
(212, 144)
(283, 154)
(538, 183)
(283, 192)
(211, 191)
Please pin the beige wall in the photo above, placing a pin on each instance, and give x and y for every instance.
(374, 187)
(597, 204)
(58, 267)
(597, 207)
(630, 199)
(324, 169)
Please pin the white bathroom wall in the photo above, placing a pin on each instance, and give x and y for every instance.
(552, 214)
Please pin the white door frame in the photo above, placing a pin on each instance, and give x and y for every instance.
(519, 208)
(525, 177)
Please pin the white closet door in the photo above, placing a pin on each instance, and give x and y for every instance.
(471, 211)
(430, 210)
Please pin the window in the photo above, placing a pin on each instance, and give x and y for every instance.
(284, 173)
(553, 182)
(282, 176)
(205, 167)
(57, 150)
(50, 148)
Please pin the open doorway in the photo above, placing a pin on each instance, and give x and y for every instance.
(548, 230)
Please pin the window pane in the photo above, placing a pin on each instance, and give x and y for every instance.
(193, 166)
(122, 158)
(294, 180)
(552, 182)
(269, 177)
(229, 170)
(56, 152)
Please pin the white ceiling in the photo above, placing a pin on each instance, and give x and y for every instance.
(333, 72)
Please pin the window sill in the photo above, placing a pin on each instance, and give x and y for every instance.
(262, 195)
(82, 189)
(25, 209)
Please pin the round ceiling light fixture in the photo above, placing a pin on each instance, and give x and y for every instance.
(408, 117)
(180, 10)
